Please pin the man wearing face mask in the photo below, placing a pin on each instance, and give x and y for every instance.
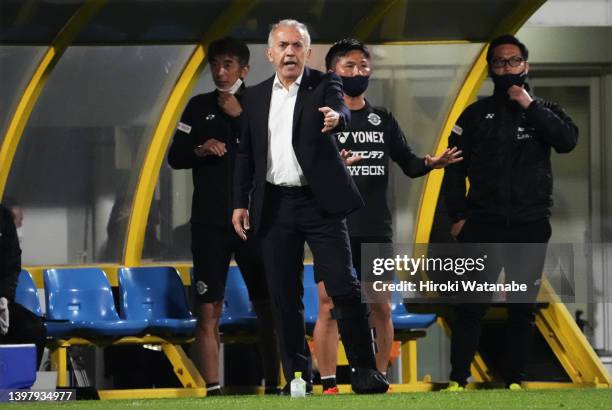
(506, 141)
(369, 166)
(206, 141)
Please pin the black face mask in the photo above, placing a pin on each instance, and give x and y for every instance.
(504, 82)
(355, 86)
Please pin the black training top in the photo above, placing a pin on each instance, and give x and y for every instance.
(375, 135)
(506, 157)
(212, 175)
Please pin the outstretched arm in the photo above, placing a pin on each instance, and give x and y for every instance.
(336, 115)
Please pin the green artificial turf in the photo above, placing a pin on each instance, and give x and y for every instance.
(479, 399)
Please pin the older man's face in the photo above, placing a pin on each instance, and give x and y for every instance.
(288, 53)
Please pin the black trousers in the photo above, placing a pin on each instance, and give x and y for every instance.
(522, 263)
(292, 217)
(25, 327)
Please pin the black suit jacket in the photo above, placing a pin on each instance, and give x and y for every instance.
(317, 153)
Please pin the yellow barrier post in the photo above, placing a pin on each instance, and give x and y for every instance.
(149, 173)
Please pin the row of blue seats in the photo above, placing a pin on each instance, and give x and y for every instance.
(152, 300)
(79, 302)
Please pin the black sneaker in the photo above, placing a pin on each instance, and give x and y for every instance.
(368, 381)
(214, 392)
(286, 391)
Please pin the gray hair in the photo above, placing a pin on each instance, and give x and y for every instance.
(301, 27)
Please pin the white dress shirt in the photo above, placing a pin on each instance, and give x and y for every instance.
(283, 166)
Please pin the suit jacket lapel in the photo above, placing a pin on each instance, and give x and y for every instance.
(303, 92)
(262, 117)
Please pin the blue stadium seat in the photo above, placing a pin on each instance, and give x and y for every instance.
(17, 367)
(26, 293)
(238, 313)
(155, 294)
(80, 303)
(403, 320)
(406, 321)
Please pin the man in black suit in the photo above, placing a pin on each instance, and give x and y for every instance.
(289, 171)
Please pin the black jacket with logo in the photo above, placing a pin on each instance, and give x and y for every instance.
(374, 134)
(506, 158)
(212, 175)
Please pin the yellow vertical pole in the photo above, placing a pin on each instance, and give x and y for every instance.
(409, 362)
(59, 358)
(467, 93)
(149, 173)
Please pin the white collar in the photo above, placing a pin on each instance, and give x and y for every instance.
(277, 83)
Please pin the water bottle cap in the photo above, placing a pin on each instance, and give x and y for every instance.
(297, 375)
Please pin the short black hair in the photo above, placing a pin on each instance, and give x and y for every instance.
(506, 39)
(341, 48)
(231, 47)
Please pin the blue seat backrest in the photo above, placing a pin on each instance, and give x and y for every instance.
(237, 303)
(398, 308)
(311, 296)
(403, 319)
(397, 305)
(78, 294)
(152, 292)
(26, 293)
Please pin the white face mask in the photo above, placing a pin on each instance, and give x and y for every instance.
(233, 88)
(20, 233)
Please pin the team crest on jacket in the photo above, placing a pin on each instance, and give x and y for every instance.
(374, 119)
(210, 117)
(201, 287)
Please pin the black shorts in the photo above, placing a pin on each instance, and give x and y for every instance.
(356, 242)
(212, 248)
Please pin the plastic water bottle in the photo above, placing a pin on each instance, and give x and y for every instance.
(298, 386)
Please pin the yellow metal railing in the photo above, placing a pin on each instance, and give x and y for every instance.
(32, 91)
(163, 132)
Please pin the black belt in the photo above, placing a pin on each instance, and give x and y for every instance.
(289, 190)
